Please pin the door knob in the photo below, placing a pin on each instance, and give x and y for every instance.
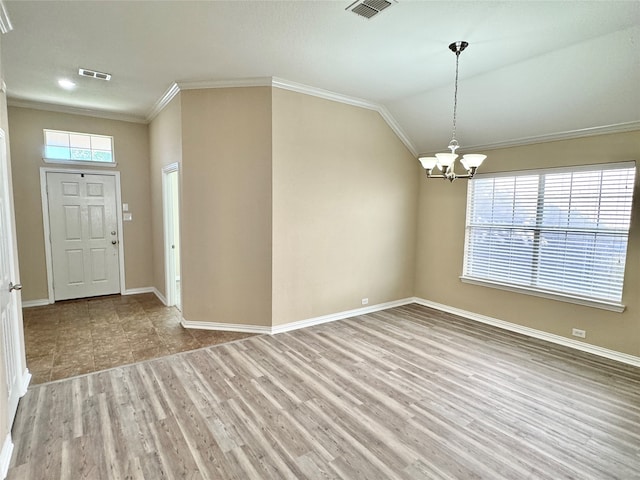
(17, 286)
(113, 242)
(113, 232)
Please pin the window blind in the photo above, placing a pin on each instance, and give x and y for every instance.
(561, 231)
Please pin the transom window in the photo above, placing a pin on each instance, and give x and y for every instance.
(558, 232)
(74, 147)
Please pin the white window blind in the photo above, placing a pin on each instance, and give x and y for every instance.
(561, 231)
(74, 147)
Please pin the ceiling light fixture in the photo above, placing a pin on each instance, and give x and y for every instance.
(446, 161)
(66, 84)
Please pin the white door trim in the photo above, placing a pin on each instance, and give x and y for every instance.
(169, 274)
(45, 220)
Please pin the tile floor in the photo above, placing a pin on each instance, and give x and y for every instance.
(80, 336)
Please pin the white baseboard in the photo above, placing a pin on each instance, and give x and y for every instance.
(136, 291)
(5, 455)
(228, 327)
(154, 290)
(129, 291)
(159, 295)
(287, 327)
(531, 332)
(35, 303)
(513, 327)
(26, 380)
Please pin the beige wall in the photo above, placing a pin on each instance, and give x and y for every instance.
(441, 245)
(131, 143)
(165, 145)
(226, 205)
(344, 209)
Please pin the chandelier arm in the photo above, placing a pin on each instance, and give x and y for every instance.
(451, 175)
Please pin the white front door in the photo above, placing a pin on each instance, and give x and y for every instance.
(83, 224)
(10, 301)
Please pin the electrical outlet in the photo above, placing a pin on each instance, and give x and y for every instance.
(576, 332)
(365, 301)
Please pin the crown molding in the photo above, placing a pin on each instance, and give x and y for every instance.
(395, 126)
(277, 82)
(357, 102)
(239, 83)
(5, 21)
(162, 102)
(554, 137)
(321, 93)
(50, 107)
(177, 87)
(568, 135)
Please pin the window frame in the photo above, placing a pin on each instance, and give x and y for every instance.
(534, 290)
(92, 163)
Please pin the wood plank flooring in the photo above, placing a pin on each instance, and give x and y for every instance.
(408, 393)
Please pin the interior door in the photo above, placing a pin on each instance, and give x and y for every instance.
(172, 235)
(10, 302)
(83, 225)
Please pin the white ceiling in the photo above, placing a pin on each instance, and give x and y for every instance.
(533, 69)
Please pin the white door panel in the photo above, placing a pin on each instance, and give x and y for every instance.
(84, 242)
(9, 298)
(72, 222)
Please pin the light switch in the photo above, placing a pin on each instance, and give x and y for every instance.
(127, 217)
(125, 207)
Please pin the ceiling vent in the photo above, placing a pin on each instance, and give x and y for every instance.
(369, 8)
(84, 72)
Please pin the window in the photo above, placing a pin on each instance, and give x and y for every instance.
(558, 232)
(72, 147)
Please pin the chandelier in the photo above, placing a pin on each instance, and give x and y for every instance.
(445, 162)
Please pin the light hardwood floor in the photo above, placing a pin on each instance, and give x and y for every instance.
(408, 393)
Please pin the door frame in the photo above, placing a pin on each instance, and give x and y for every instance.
(47, 228)
(167, 222)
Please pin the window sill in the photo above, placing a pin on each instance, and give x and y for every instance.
(611, 306)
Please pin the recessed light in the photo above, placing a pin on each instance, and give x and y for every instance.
(66, 84)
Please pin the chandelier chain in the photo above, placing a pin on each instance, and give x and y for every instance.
(455, 96)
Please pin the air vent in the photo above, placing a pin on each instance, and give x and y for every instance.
(369, 8)
(85, 72)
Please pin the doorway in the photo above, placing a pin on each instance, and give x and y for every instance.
(171, 208)
(82, 219)
(10, 300)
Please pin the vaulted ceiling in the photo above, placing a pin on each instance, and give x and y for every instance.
(532, 69)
